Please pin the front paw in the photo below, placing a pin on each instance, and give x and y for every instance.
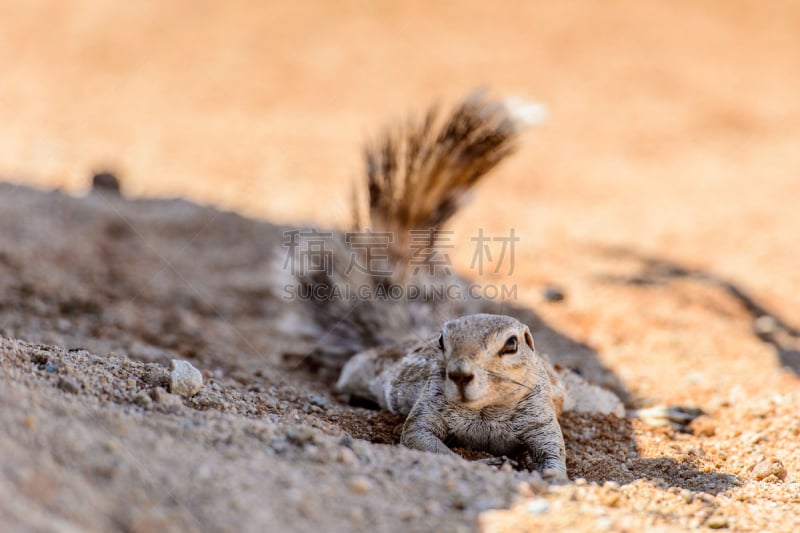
(553, 469)
(555, 473)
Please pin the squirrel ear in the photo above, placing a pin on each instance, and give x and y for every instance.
(529, 338)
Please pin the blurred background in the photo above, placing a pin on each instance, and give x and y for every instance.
(673, 126)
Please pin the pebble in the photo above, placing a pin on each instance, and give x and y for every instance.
(432, 507)
(603, 523)
(765, 325)
(69, 385)
(610, 499)
(717, 522)
(346, 456)
(552, 293)
(301, 435)
(184, 379)
(537, 506)
(766, 468)
(142, 398)
(360, 484)
(29, 421)
(319, 401)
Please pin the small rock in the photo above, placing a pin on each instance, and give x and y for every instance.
(537, 506)
(687, 495)
(432, 507)
(141, 398)
(551, 293)
(68, 384)
(717, 522)
(279, 445)
(765, 325)
(301, 436)
(610, 499)
(184, 379)
(767, 468)
(319, 401)
(51, 368)
(603, 523)
(755, 438)
(525, 490)
(346, 456)
(29, 421)
(360, 485)
(105, 182)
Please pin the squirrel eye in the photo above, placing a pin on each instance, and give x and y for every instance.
(510, 346)
(441, 342)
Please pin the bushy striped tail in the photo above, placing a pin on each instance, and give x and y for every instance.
(418, 173)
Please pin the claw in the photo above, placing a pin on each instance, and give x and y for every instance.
(499, 461)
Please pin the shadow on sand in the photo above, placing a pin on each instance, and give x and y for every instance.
(156, 279)
(766, 325)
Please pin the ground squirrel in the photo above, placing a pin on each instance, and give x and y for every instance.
(480, 384)
(472, 379)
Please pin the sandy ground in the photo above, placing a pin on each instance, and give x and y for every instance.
(661, 197)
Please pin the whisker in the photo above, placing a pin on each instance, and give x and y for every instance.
(510, 380)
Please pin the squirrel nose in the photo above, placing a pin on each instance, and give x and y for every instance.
(460, 377)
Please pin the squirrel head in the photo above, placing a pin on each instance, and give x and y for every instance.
(488, 360)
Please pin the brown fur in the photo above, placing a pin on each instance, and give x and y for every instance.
(471, 393)
(418, 173)
(416, 177)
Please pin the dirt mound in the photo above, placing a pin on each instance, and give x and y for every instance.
(111, 289)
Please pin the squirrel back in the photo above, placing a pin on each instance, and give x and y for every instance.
(417, 176)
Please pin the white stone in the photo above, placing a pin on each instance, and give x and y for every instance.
(537, 506)
(184, 379)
